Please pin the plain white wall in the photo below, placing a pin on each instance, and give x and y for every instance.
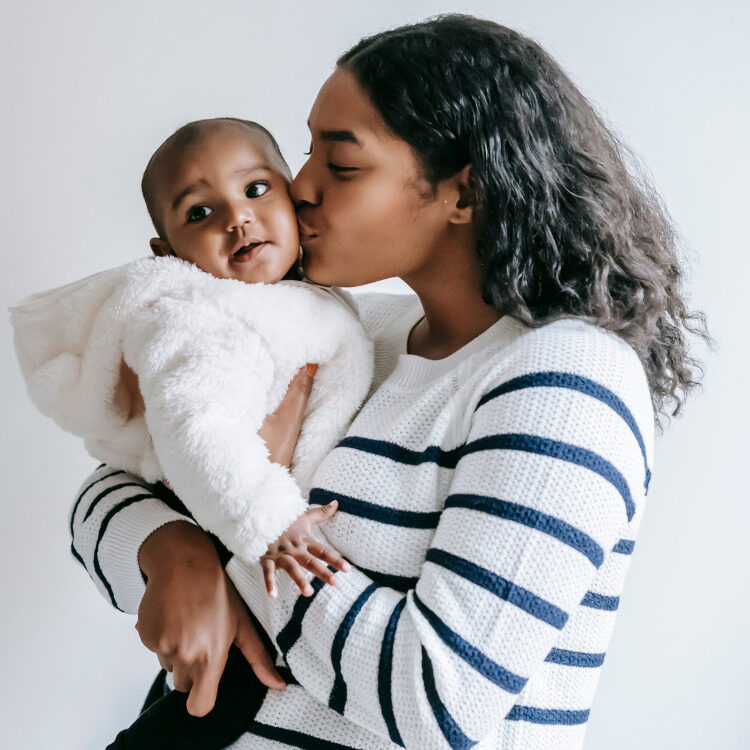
(90, 88)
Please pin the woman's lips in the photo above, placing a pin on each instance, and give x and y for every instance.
(248, 252)
(305, 231)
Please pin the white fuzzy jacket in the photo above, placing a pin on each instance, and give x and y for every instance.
(213, 357)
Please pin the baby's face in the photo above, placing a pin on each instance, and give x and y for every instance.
(225, 207)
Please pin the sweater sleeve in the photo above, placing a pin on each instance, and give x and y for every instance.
(543, 487)
(113, 514)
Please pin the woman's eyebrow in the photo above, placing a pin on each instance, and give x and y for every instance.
(339, 136)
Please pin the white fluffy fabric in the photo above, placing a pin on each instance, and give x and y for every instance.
(213, 358)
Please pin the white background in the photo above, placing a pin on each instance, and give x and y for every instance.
(88, 90)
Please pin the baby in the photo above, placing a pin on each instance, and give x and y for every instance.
(168, 366)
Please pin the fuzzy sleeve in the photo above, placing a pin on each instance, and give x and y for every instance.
(206, 380)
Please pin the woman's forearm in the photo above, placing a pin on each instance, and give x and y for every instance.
(176, 540)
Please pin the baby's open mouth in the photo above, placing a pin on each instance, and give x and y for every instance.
(247, 249)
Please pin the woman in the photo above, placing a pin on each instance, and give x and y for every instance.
(491, 488)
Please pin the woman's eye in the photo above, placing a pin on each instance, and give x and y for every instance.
(256, 189)
(340, 169)
(198, 213)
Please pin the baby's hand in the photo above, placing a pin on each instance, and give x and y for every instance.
(295, 550)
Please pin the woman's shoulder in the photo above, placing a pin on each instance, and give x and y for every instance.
(377, 310)
(571, 353)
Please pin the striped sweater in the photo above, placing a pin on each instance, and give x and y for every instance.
(489, 503)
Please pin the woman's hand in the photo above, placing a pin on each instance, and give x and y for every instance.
(295, 550)
(281, 429)
(191, 614)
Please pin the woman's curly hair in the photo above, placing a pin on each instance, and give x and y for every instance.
(570, 226)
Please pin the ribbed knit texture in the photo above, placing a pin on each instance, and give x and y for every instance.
(489, 502)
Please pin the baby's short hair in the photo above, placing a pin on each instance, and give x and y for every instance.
(178, 142)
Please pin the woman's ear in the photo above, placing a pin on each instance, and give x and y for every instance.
(462, 203)
(160, 247)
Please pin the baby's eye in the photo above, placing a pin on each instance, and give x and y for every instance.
(256, 189)
(198, 213)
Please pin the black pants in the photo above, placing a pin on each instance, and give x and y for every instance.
(164, 722)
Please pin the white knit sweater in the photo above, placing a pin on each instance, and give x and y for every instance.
(489, 503)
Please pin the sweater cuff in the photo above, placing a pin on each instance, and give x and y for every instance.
(248, 580)
(118, 552)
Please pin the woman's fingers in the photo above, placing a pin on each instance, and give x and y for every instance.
(248, 641)
(281, 429)
(181, 678)
(328, 555)
(269, 575)
(166, 664)
(205, 685)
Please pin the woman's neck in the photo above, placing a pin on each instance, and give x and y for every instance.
(454, 311)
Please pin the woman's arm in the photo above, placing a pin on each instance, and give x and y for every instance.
(146, 556)
(113, 513)
(545, 486)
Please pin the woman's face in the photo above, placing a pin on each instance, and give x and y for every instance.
(365, 213)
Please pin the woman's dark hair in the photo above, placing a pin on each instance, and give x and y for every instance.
(569, 223)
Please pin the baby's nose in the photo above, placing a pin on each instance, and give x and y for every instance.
(238, 216)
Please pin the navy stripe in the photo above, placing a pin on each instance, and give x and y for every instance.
(102, 529)
(390, 580)
(337, 700)
(510, 441)
(557, 449)
(109, 491)
(291, 632)
(448, 726)
(599, 601)
(575, 658)
(432, 454)
(547, 715)
(409, 518)
(83, 492)
(534, 519)
(502, 677)
(578, 383)
(624, 546)
(293, 738)
(385, 671)
(75, 554)
(502, 588)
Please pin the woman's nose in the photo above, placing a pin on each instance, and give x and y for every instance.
(303, 189)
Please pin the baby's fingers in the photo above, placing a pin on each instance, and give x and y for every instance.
(296, 573)
(322, 513)
(328, 555)
(317, 568)
(269, 575)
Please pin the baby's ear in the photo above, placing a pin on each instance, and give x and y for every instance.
(160, 247)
